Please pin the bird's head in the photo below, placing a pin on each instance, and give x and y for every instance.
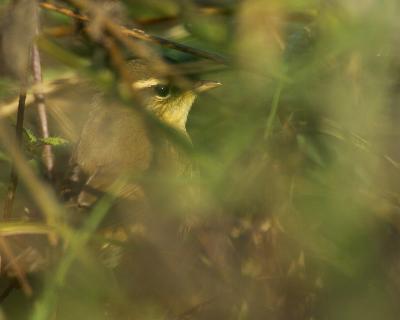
(167, 101)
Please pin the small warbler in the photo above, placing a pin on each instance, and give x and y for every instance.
(117, 141)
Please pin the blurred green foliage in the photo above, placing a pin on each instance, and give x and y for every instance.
(298, 164)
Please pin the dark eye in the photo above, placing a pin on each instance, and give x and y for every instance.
(162, 90)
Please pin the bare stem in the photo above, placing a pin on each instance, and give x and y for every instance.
(47, 154)
(9, 202)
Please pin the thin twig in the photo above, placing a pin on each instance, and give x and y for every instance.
(47, 154)
(64, 11)
(9, 202)
(142, 35)
(20, 274)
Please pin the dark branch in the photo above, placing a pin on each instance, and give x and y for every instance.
(9, 202)
(47, 154)
(142, 35)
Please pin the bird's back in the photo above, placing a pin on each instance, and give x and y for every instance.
(116, 139)
(114, 143)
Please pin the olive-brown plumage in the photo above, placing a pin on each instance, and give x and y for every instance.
(117, 141)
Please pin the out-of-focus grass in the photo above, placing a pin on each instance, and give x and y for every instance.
(298, 167)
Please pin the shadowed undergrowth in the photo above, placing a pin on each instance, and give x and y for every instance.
(290, 210)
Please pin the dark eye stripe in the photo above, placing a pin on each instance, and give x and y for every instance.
(162, 90)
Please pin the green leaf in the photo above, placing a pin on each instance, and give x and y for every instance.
(54, 141)
(30, 136)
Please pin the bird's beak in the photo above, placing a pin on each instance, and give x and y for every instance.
(205, 85)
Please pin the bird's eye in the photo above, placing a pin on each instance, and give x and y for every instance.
(162, 90)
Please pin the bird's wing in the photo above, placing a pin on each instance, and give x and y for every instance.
(99, 183)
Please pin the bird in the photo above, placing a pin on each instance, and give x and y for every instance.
(119, 141)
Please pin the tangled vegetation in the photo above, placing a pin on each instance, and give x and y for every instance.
(284, 203)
